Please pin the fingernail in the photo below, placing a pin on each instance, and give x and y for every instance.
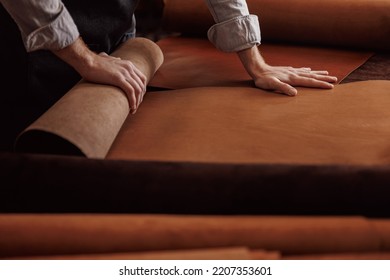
(133, 111)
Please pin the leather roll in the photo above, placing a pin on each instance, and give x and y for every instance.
(363, 24)
(56, 234)
(234, 253)
(86, 120)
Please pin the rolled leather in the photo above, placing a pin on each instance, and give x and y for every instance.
(59, 234)
(358, 24)
(86, 120)
(233, 253)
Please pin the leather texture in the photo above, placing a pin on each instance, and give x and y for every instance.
(194, 62)
(45, 234)
(347, 125)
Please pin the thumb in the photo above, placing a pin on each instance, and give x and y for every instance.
(282, 87)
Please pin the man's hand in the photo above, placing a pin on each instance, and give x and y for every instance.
(105, 69)
(282, 78)
(124, 74)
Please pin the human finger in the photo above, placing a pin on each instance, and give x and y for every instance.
(310, 82)
(141, 75)
(139, 85)
(127, 87)
(142, 80)
(321, 77)
(273, 83)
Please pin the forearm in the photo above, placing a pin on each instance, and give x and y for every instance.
(78, 55)
(235, 29)
(44, 24)
(253, 61)
(223, 10)
(238, 31)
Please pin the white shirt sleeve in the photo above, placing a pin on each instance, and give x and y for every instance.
(44, 24)
(235, 28)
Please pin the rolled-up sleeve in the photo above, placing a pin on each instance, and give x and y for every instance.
(44, 24)
(235, 28)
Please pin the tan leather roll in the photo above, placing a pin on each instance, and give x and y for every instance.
(29, 235)
(86, 119)
(344, 126)
(382, 226)
(191, 62)
(343, 256)
(348, 23)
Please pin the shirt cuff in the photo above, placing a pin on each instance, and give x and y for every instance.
(236, 34)
(58, 34)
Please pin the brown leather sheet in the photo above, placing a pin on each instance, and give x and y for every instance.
(347, 23)
(191, 62)
(347, 125)
(56, 234)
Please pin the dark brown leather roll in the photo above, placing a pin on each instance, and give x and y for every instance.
(350, 23)
(235, 253)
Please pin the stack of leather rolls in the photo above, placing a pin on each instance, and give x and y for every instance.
(208, 144)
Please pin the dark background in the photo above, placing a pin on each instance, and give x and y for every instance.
(149, 19)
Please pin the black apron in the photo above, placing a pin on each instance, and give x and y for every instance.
(35, 81)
